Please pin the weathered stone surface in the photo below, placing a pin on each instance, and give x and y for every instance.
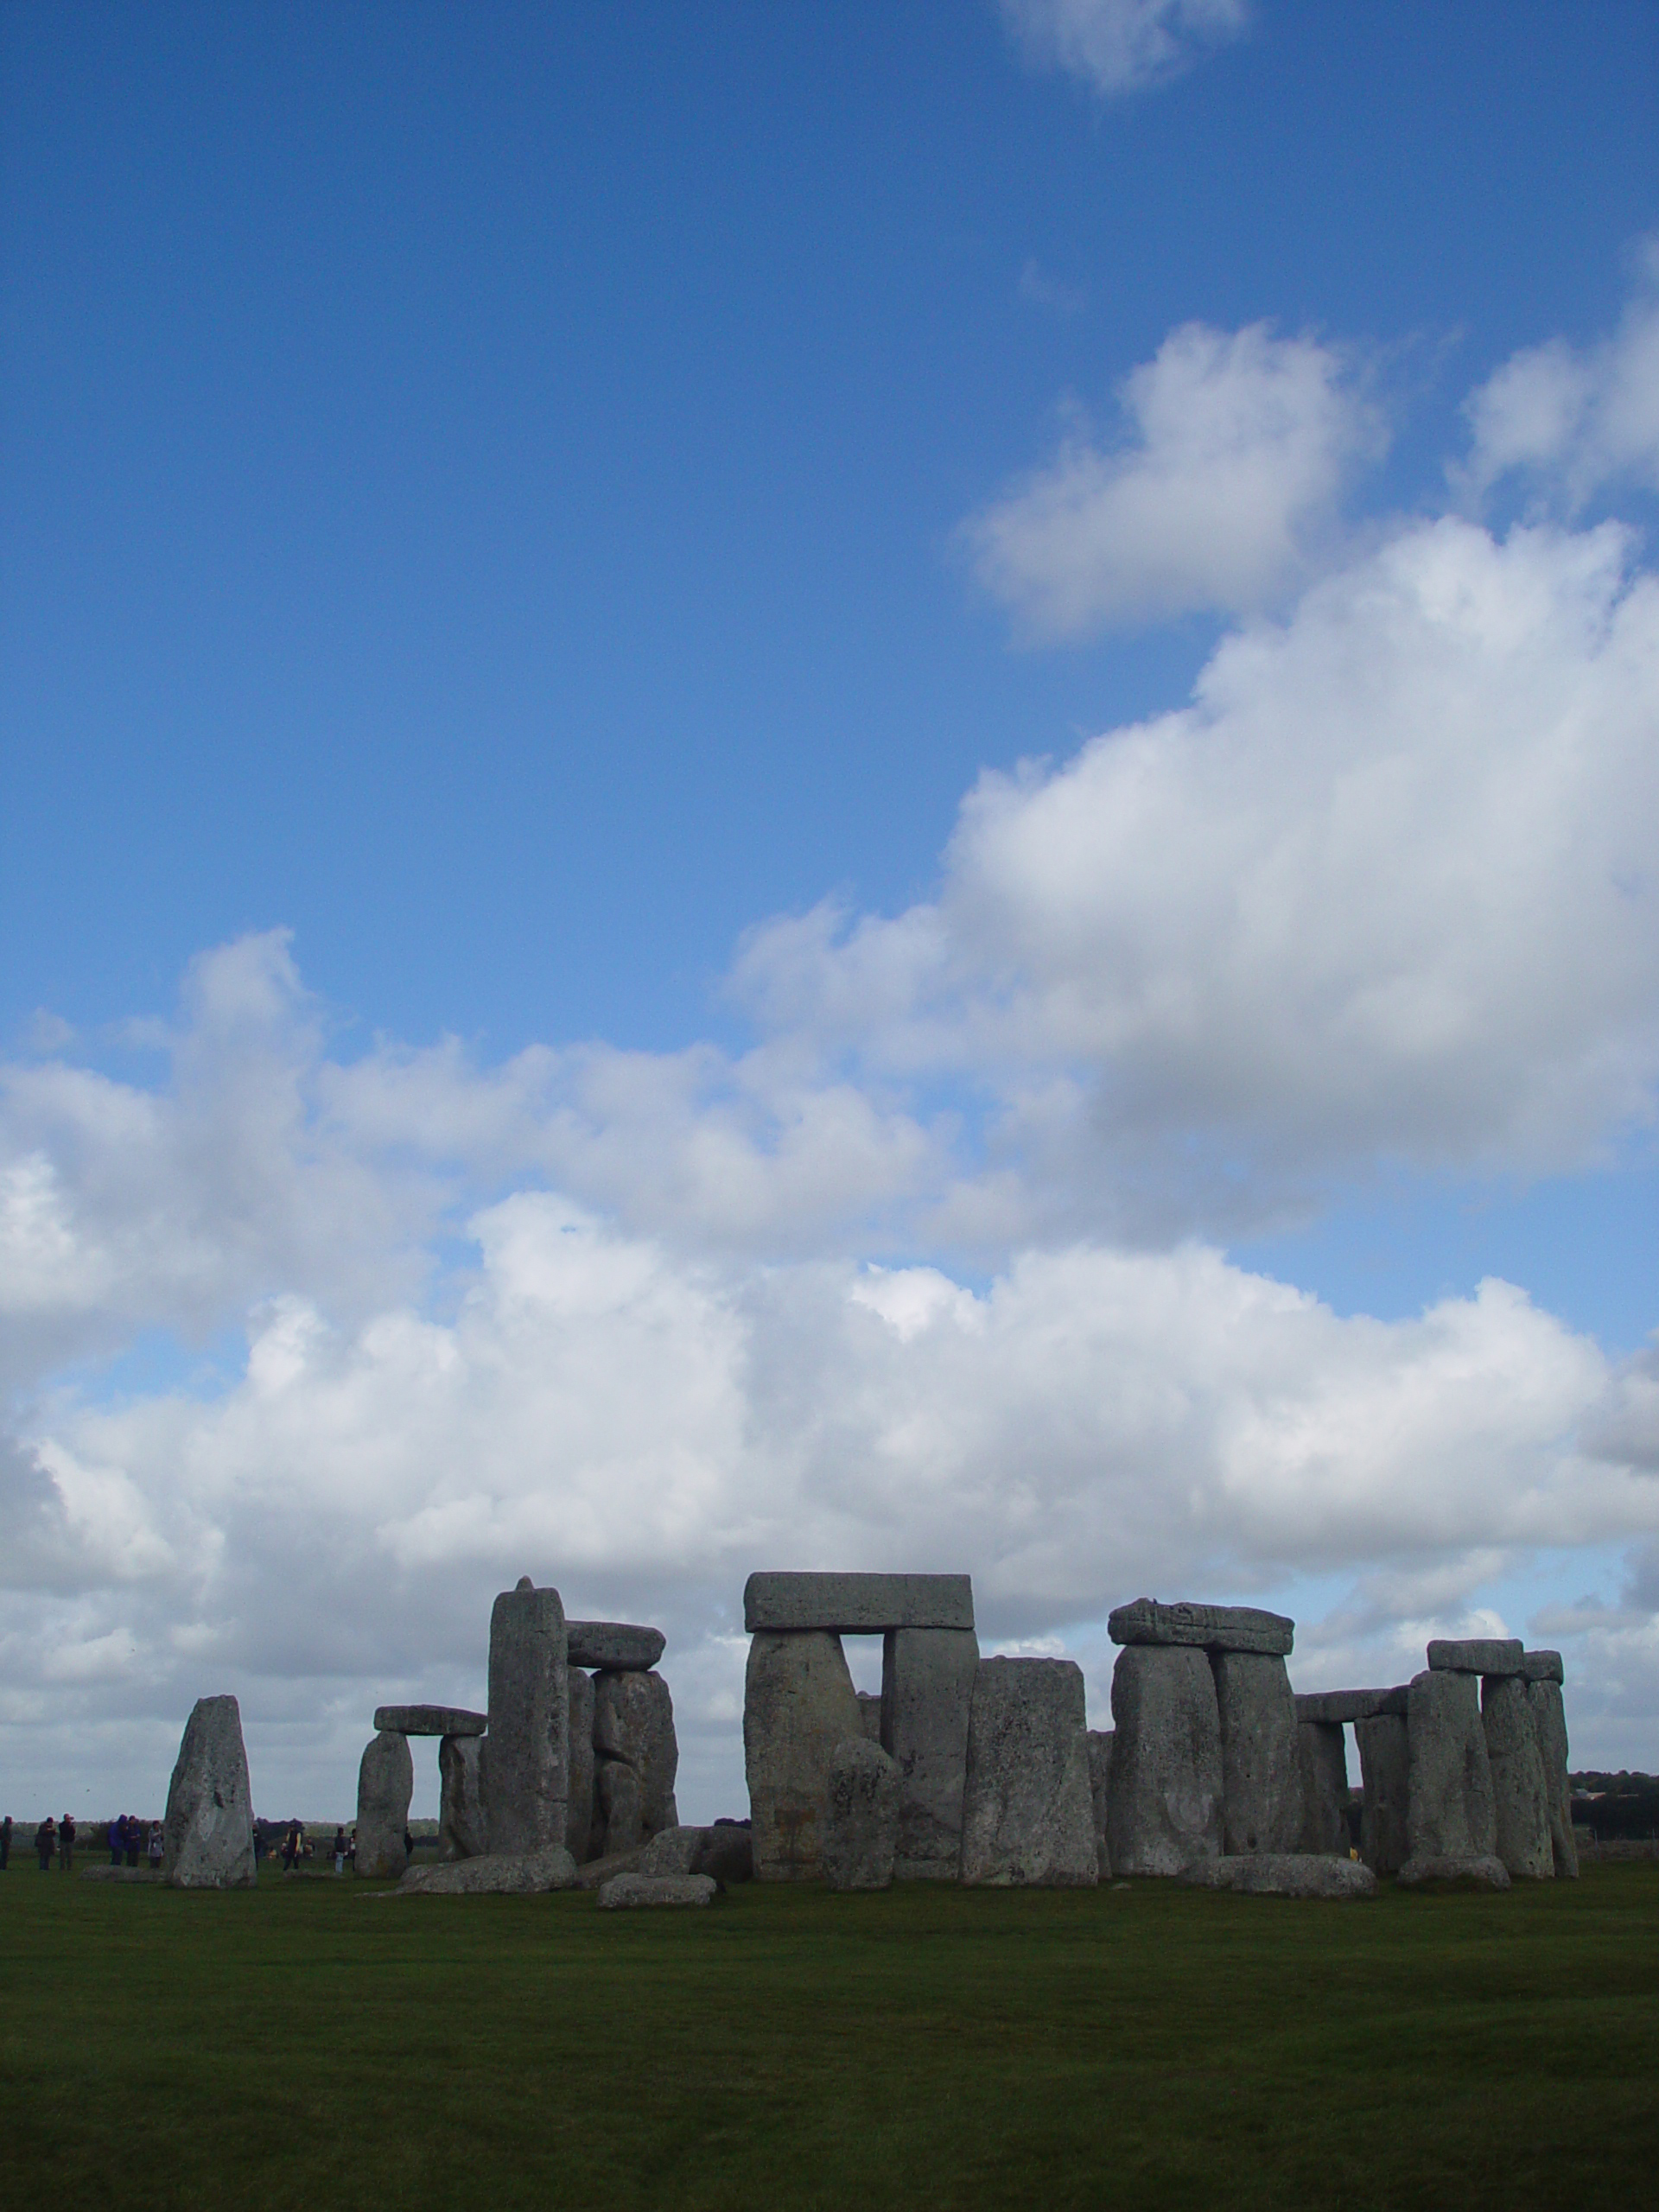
(1543, 1667)
(1215, 1628)
(869, 1707)
(621, 1800)
(515, 1874)
(1165, 1781)
(208, 1829)
(1322, 1756)
(927, 1692)
(857, 1605)
(628, 1893)
(1450, 1815)
(1476, 1654)
(618, 1646)
(861, 1816)
(1549, 1724)
(1485, 1872)
(430, 1720)
(723, 1852)
(1336, 1706)
(581, 1804)
(598, 1872)
(1028, 1815)
(1385, 1792)
(798, 1703)
(386, 1782)
(460, 1804)
(1101, 1741)
(527, 1762)
(1280, 1874)
(1261, 1763)
(1519, 1807)
(633, 1727)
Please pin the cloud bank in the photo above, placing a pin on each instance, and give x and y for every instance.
(1122, 46)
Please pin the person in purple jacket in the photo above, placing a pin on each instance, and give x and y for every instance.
(118, 1838)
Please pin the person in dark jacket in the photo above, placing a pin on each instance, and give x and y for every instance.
(118, 1838)
(45, 1842)
(5, 1843)
(66, 1843)
(134, 1838)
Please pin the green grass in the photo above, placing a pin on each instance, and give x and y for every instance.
(927, 2048)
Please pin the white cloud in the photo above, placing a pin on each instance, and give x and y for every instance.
(1122, 46)
(1239, 444)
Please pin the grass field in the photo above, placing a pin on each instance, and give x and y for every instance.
(314, 2042)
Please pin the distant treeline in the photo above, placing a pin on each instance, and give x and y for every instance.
(1615, 1805)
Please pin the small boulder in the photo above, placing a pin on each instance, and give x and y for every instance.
(625, 1892)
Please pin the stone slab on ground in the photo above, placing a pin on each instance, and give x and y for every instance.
(927, 1693)
(1261, 1753)
(1549, 1724)
(1476, 1654)
(430, 1720)
(1322, 1754)
(1165, 1780)
(460, 1803)
(798, 1703)
(208, 1829)
(386, 1782)
(1436, 1872)
(526, 1764)
(857, 1605)
(619, 1645)
(1385, 1792)
(629, 1892)
(1101, 1741)
(1543, 1667)
(1519, 1807)
(861, 1816)
(1215, 1628)
(1028, 1814)
(518, 1873)
(1349, 1706)
(725, 1852)
(1285, 1874)
(1451, 1813)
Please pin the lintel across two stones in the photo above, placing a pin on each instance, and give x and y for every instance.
(856, 1605)
(1215, 1628)
(430, 1720)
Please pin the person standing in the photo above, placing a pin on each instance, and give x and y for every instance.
(5, 1843)
(156, 1843)
(340, 1849)
(135, 1837)
(66, 1843)
(45, 1842)
(117, 1838)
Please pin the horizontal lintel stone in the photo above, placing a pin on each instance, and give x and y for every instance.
(617, 1645)
(857, 1605)
(1544, 1667)
(1328, 1706)
(429, 1720)
(1476, 1654)
(1215, 1628)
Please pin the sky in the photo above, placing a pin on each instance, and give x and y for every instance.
(819, 786)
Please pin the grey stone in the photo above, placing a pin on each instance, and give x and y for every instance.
(579, 1822)
(1215, 1628)
(386, 1782)
(1165, 1785)
(621, 1808)
(1543, 1667)
(1337, 1706)
(1100, 1796)
(628, 1893)
(861, 1816)
(1483, 1872)
(633, 1727)
(208, 1829)
(430, 1720)
(1520, 1808)
(1028, 1815)
(618, 1646)
(1385, 1792)
(1280, 1874)
(498, 1873)
(1261, 1763)
(460, 1804)
(598, 1872)
(1549, 1725)
(798, 1703)
(927, 1693)
(1450, 1814)
(526, 1764)
(869, 1708)
(1476, 1654)
(724, 1852)
(857, 1605)
(1322, 1755)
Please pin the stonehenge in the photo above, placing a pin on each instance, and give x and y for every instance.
(526, 1757)
(860, 1822)
(799, 1706)
(1520, 1811)
(1029, 1811)
(208, 1829)
(386, 1782)
(1165, 1804)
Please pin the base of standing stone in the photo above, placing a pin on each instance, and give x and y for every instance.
(1438, 1871)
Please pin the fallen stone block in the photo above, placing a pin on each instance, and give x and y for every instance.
(618, 1646)
(526, 1764)
(1165, 1780)
(1028, 1815)
(1434, 1872)
(860, 1817)
(1322, 1755)
(1339, 1705)
(1101, 1741)
(208, 1829)
(927, 1693)
(857, 1605)
(1214, 1628)
(1450, 1814)
(460, 1803)
(1385, 1792)
(429, 1720)
(628, 1893)
(1519, 1807)
(1543, 1667)
(1260, 1757)
(1549, 1724)
(1281, 1874)
(798, 1703)
(386, 1782)
(1476, 1654)
(724, 1852)
(503, 1873)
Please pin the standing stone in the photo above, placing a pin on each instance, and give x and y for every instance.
(1261, 1763)
(208, 1830)
(1165, 1780)
(869, 1707)
(1322, 1751)
(1385, 1792)
(386, 1782)
(861, 1814)
(1450, 1814)
(1519, 1807)
(798, 1704)
(579, 1824)
(633, 1723)
(1549, 1724)
(526, 1764)
(927, 1693)
(621, 1808)
(1100, 1792)
(460, 1803)
(1028, 1815)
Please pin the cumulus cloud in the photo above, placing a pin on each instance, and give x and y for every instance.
(1238, 444)
(1122, 46)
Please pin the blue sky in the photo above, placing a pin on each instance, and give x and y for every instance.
(532, 505)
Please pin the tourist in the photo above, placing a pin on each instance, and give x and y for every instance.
(66, 1843)
(157, 1842)
(5, 1843)
(135, 1837)
(118, 1838)
(340, 1849)
(45, 1842)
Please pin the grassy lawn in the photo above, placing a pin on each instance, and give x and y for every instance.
(1145, 2045)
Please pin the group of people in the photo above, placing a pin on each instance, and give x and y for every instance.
(131, 1840)
(296, 1847)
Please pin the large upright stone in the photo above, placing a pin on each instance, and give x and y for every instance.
(1101, 1741)
(618, 1645)
(861, 1816)
(580, 1819)
(633, 1727)
(927, 1693)
(1166, 1782)
(1028, 1814)
(798, 1704)
(526, 1767)
(1261, 1763)
(1322, 1755)
(1385, 1792)
(1519, 1806)
(1450, 1814)
(208, 1830)
(1549, 1723)
(1212, 1628)
(857, 1605)
(386, 1782)
(460, 1803)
